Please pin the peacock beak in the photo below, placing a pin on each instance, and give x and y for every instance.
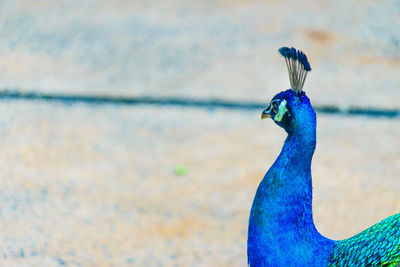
(266, 113)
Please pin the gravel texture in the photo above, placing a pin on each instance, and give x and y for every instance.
(221, 49)
(95, 185)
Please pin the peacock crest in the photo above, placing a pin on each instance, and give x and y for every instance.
(298, 67)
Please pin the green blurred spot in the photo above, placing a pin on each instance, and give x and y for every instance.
(180, 169)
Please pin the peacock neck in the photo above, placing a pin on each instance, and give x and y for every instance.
(297, 151)
(288, 183)
(281, 219)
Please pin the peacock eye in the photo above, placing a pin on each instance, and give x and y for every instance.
(275, 108)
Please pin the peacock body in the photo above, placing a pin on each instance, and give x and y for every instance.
(281, 228)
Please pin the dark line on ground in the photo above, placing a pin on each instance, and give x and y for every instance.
(185, 102)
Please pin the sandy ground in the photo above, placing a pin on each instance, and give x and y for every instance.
(94, 185)
(224, 49)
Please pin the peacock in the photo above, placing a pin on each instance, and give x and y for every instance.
(281, 229)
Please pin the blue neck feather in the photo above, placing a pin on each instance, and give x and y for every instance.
(281, 227)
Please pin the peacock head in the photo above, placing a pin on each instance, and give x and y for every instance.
(291, 109)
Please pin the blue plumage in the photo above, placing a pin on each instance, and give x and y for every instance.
(281, 228)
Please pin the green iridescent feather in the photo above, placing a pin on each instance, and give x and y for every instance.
(378, 245)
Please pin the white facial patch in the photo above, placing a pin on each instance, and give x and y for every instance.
(281, 111)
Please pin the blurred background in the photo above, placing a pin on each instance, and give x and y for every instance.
(124, 183)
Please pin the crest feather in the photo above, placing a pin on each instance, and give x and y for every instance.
(298, 66)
